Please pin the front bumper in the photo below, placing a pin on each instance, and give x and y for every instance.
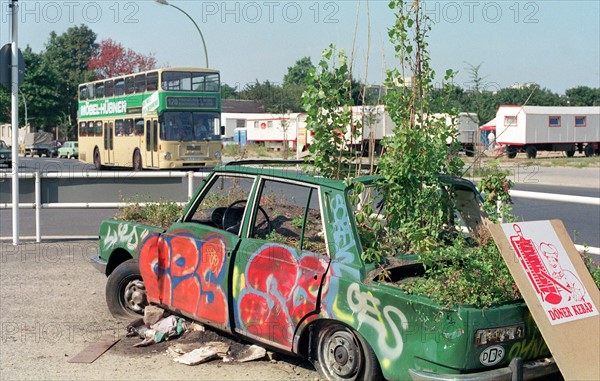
(530, 371)
(99, 263)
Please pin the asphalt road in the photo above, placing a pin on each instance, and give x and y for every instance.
(582, 221)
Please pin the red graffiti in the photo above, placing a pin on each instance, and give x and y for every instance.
(186, 273)
(281, 289)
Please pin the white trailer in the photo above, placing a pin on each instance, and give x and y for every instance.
(377, 122)
(275, 130)
(547, 128)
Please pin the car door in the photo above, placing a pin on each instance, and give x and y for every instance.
(280, 266)
(186, 269)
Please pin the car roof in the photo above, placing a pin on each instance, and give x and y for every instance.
(299, 170)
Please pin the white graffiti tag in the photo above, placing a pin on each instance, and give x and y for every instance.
(366, 309)
(124, 233)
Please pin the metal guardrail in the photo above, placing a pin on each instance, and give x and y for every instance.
(38, 205)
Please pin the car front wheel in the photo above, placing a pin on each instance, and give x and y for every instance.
(125, 291)
(342, 354)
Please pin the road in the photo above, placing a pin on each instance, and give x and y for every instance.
(582, 221)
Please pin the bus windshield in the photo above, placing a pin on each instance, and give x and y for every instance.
(187, 126)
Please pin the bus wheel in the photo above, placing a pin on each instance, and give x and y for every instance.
(97, 160)
(137, 161)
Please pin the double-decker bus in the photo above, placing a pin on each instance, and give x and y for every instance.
(166, 118)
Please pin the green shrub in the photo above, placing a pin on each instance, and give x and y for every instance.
(162, 213)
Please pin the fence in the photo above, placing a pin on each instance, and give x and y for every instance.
(123, 179)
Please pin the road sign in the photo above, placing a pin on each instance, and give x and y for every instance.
(5, 66)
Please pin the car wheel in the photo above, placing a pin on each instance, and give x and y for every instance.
(125, 291)
(342, 354)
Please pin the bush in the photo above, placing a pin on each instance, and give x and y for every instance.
(162, 213)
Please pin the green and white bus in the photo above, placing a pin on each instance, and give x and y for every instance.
(167, 118)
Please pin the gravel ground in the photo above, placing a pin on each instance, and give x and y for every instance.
(52, 307)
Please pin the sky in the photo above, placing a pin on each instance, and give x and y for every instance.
(553, 43)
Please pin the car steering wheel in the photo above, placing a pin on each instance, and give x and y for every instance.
(226, 224)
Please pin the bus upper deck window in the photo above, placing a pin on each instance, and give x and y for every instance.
(120, 86)
(99, 90)
(82, 93)
(140, 83)
(152, 81)
(129, 85)
(91, 91)
(109, 89)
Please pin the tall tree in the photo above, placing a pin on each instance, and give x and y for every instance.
(69, 54)
(40, 91)
(113, 59)
(583, 96)
(297, 74)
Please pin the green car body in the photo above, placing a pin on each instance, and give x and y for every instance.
(311, 295)
(5, 154)
(69, 150)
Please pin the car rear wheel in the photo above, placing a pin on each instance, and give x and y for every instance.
(125, 291)
(342, 354)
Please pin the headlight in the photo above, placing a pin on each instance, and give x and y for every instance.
(168, 155)
(218, 155)
(499, 335)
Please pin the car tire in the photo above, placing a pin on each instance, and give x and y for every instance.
(125, 291)
(342, 354)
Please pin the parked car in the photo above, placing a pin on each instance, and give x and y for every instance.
(69, 150)
(274, 256)
(53, 149)
(5, 154)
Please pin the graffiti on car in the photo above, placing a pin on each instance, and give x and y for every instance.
(187, 273)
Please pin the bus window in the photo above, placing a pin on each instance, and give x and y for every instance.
(212, 82)
(82, 92)
(152, 81)
(120, 127)
(138, 128)
(91, 91)
(98, 128)
(90, 129)
(119, 86)
(128, 127)
(177, 81)
(105, 135)
(177, 126)
(99, 89)
(129, 85)
(82, 129)
(109, 88)
(140, 83)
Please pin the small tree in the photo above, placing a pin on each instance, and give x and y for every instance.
(328, 101)
(113, 60)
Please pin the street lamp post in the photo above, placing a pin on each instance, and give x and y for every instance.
(165, 2)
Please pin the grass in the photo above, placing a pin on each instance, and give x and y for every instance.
(255, 151)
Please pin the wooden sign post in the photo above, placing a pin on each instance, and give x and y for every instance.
(559, 291)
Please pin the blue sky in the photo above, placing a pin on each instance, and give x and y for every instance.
(553, 43)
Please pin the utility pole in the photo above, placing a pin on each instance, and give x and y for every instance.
(15, 120)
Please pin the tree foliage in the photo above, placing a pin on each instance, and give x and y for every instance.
(113, 60)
